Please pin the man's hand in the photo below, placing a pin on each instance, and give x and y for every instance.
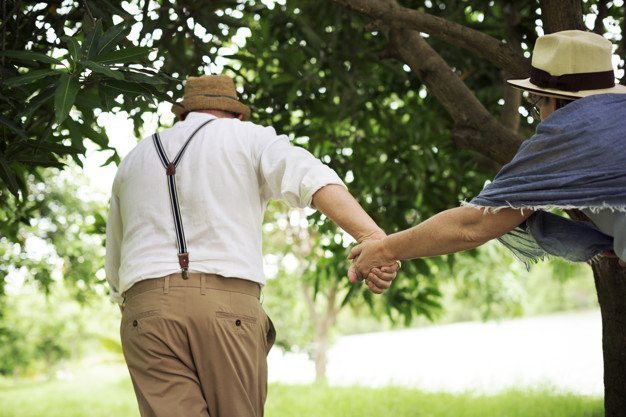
(371, 265)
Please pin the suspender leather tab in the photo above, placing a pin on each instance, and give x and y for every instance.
(183, 260)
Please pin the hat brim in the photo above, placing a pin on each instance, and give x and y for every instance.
(525, 84)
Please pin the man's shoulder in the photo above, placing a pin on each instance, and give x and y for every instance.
(254, 134)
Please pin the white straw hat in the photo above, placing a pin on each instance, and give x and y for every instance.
(571, 64)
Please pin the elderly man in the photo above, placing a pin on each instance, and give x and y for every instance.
(576, 160)
(184, 256)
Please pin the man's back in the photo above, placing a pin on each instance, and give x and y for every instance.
(224, 180)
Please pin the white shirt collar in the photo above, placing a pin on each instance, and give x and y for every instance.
(195, 116)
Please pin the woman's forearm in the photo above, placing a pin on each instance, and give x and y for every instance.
(450, 231)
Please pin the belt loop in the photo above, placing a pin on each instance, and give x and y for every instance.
(203, 284)
(166, 287)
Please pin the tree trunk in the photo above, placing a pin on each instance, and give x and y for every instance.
(558, 15)
(610, 282)
(321, 351)
(323, 321)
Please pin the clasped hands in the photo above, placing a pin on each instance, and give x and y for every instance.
(372, 264)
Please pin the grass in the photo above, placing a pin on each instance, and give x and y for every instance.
(316, 401)
(107, 392)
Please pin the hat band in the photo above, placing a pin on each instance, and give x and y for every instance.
(211, 95)
(572, 82)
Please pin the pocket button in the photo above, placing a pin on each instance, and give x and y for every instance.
(135, 323)
(237, 322)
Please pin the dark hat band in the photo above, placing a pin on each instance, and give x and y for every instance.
(573, 82)
(211, 95)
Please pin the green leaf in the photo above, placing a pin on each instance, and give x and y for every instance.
(352, 291)
(64, 96)
(57, 148)
(143, 78)
(37, 101)
(8, 176)
(113, 8)
(42, 163)
(73, 46)
(115, 158)
(124, 87)
(91, 40)
(133, 54)
(86, 101)
(13, 126)
(422, 267)
(30, 77)
(31, 56)
(102, 69)
(76, 135)
(112, 37)
(95, 136)
(107, 98)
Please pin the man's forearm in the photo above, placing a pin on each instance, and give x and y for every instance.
(336, 203)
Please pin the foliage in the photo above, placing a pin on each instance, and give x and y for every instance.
(40, 333)
(65, 239)
(37, 333)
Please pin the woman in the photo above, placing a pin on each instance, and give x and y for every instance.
(576, 160)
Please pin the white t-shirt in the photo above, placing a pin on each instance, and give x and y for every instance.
(225, 178)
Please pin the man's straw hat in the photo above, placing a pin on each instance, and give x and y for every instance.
(571, 64)
(210, 92)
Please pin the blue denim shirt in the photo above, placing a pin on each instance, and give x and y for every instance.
(576, 160)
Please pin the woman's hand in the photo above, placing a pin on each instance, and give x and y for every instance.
(372, 264)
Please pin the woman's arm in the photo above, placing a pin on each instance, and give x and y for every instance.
(450, 231)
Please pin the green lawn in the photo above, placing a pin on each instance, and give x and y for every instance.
(107, 392)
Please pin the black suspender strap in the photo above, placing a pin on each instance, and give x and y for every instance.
(170, 172)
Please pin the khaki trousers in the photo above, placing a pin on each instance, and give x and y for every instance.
(197, 347)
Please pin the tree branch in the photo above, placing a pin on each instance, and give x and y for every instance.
(482, 132)
(395, 16)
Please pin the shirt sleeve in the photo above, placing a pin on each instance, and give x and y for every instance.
(292, 173)
(113, 249)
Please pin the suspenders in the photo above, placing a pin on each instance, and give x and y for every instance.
(170, 172)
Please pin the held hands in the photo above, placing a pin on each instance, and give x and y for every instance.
(372, 264)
